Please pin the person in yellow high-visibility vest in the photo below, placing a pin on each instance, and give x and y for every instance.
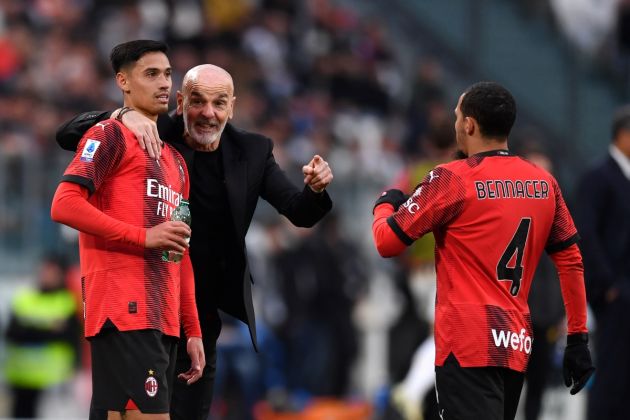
(42, 338)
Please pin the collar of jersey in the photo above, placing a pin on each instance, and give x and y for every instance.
(498, 152)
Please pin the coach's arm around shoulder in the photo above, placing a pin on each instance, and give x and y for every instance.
(69, 134)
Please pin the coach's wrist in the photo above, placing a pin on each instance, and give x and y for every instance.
(316, 191)
(121, 112)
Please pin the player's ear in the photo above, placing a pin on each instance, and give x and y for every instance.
(122, 81)
(469, 125)
(180, 102)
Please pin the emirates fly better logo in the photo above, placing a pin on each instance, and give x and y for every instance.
(169, 198)
(151, 385)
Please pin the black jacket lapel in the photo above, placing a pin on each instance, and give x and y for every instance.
(235, 169)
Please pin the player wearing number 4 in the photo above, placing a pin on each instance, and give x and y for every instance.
(492, 215)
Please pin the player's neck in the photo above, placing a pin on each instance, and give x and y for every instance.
(144, 112)
(487, 145)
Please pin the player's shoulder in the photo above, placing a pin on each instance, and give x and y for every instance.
(458, 166)
(109, 130)
(107, 126)
(534, 169)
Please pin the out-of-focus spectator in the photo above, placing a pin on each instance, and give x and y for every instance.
(621, 49)
(410, 392)
(545, 307)
(601, 212)
(586, 23)
(42, 338)
(319, 277)
(623, 27)
(427, 108)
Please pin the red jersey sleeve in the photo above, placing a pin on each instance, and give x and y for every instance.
(99, 152)
(189, 317)
(571, 273)
(386, 241)
(70, 207)
(563, 233)
(188, 305)
(436, 201)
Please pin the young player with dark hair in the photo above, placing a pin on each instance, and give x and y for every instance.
(492, 215)
(121, 201)
(230, 170)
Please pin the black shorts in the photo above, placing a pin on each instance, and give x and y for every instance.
(132, 365)
(488, 393)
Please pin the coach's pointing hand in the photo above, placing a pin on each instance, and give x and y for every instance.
(317, 174)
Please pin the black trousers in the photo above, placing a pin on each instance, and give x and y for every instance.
(488, 393)
(608, 398)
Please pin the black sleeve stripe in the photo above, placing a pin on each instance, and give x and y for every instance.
(398, 231)
(560, 246)
(84, 182)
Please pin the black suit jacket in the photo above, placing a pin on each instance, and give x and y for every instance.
(602, 214)
(251, 172)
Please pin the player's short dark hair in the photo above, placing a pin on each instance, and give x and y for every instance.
(492, 106)
(621, 121)
(128, 53)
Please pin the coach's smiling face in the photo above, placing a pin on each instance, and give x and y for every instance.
(206, 103)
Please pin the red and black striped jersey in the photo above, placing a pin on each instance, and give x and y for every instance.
(123, 282)
(492, 215)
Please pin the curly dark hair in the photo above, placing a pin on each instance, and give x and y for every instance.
(492, 106)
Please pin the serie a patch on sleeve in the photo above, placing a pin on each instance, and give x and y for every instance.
(89, 149)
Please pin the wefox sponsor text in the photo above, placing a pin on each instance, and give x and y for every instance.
(518, 342)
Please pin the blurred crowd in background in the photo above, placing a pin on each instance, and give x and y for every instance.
(317, 77)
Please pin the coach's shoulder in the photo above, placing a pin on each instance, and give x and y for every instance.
(247, 140)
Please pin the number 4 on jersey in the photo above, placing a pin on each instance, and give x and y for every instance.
(516, 246)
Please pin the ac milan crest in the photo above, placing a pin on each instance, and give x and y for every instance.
(151, 386)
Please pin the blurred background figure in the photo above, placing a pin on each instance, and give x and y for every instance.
(319, 278)
(602, 209)
(545, 305)
(42, 338)
(412, 368)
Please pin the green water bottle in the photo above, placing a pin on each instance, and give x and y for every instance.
(180, 214)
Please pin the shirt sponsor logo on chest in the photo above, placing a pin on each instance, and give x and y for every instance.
(169, 198)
